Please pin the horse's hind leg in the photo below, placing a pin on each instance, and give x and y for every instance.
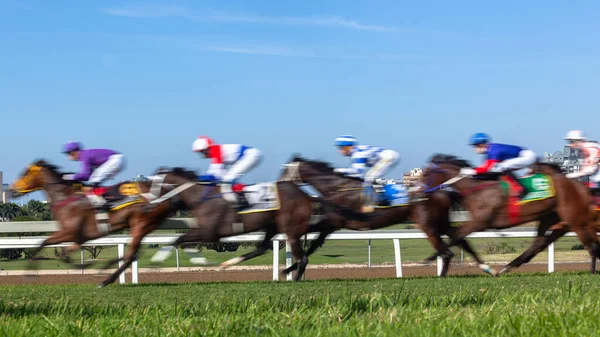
(541, 242)
(260, 250)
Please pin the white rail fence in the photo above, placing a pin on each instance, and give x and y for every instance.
(396, 236)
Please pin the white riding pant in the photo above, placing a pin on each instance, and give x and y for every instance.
(249, 160)
(594, 173)
(109, 169)
(387, 160)
(519, 165)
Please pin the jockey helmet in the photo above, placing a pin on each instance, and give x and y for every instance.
(202, 143)
(479, 138)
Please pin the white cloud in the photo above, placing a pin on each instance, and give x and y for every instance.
(158, 11)
(330, 21)
(149, 11)
(253, 50)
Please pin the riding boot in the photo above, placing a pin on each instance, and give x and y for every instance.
(242, 203)
(524, 191)
(367, 196)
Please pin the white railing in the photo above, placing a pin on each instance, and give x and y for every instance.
(172, 223)
(121, 240)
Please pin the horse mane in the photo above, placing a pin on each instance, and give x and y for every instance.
(322, 166)
(178, 171)
(552, 166)
(54, 170)
(440, 158)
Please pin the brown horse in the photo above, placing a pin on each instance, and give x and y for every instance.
(216, 219)
(430, 214)
(488, 203)
(76, 215)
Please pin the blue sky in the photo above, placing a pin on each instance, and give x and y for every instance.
(147, 78)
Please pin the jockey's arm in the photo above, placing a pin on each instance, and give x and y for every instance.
(486, 166)
(85, 173)
(359, 164)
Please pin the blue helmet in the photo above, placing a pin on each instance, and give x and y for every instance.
(72, 146)
(479, 138)
(345, 141)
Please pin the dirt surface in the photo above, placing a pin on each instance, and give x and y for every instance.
(265, 275)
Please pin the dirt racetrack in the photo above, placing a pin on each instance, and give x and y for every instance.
(314, 273)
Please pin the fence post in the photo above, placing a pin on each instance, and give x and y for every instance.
(275, 260)
(177, 257)
(82, 266)
(462, 256)
(369, 263)
(551, 258)
(288, 259)
(397, 257)
(440, 264)
(121, 252)
(134, 272)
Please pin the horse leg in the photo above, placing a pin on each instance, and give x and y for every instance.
(592, 231)
(300, 255)
(314, 245)
(440, 246)
(138, 233)
(54, 239)
(542, 241)
(64, 256)
(260, 250)
(464, 244)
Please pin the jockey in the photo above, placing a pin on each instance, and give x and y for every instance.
(368, 163)
(510, 160)
(98, 166)
(591, 155)
(239, 158)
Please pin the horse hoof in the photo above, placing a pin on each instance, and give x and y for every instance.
(101, 285)
(230, 263)
(503, 271)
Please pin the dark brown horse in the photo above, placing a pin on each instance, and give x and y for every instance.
(487, 201)
(76, 215)
(216, 219)
(430, 214)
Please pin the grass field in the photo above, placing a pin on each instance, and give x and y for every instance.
(516, 305)
(338, 252)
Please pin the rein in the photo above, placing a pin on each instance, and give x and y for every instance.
(64, 202)
(477, 188)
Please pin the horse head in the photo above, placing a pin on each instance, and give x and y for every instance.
(441, 168)
(36, 176)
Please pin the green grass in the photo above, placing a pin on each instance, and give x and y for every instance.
(335, 252)
(516, 305)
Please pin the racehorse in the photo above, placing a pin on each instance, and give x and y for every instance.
(77, 217)
(430, 214)
(569, 207)
(216, 219)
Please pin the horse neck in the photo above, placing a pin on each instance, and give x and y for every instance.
(54, 188)
(328, 185)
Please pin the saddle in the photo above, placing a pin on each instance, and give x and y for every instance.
(117, 196)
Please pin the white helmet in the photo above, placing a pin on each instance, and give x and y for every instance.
(575, 135)
(202, 143)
